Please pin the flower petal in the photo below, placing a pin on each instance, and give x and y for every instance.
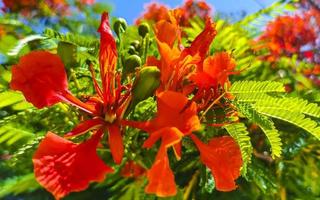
(166, 32)
(107, 55)
(169, 136)
(219, 67)
(116, 143)
(222, 155)
(41, 77)
(175, 110)
(160, 176)
(132, 170)
(62, 167)
(201, 44)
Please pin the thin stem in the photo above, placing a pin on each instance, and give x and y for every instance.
(190, 185)
(69, 98)
(146, 47)
(74, 77)
(212, 104)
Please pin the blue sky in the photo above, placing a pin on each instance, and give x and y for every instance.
(130, 9)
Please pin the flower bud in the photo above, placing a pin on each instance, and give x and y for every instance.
(135, 44)
(119, 26)
(132, 50)
(145, 84)
(143, 29)
(131, 63)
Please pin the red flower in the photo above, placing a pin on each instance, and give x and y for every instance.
(25, 7)
(62, 166)
(154, 12)
(175, 119)
(286, 35)
(193, 8)
(223, 156)
(41, 78)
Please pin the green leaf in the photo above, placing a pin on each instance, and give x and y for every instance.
(251, 87)
(239, 132)
(295, 118)
(10, 134)
(9, 98)
(17, 185)
(79, 40)
(290, 104)
(266, 126)
(252, 91)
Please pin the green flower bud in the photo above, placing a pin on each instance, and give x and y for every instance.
(143, 29)
(132, 50)
(131, 63)
(145, 84)
(119, 26)
(135, 44)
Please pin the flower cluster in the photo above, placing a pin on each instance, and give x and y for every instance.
(27, 7)
(190, 83)
(286, 35)
(191, 8)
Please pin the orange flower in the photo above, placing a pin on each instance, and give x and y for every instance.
(154, 12)
(175, 64)
(175, 118)
(286, 35)
(193, 8)
(223, 156)
(216, 70)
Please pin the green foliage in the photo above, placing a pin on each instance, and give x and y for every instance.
(295, 118)
(19, 184)
(262, 177)
(79, 40)
(252, 87)
(9, 134)
(290, 104)
(252, 101)
(14, 100)
(265, 124)
(23, 43)
(239, 132)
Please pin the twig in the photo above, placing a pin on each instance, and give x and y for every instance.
(190, 185)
